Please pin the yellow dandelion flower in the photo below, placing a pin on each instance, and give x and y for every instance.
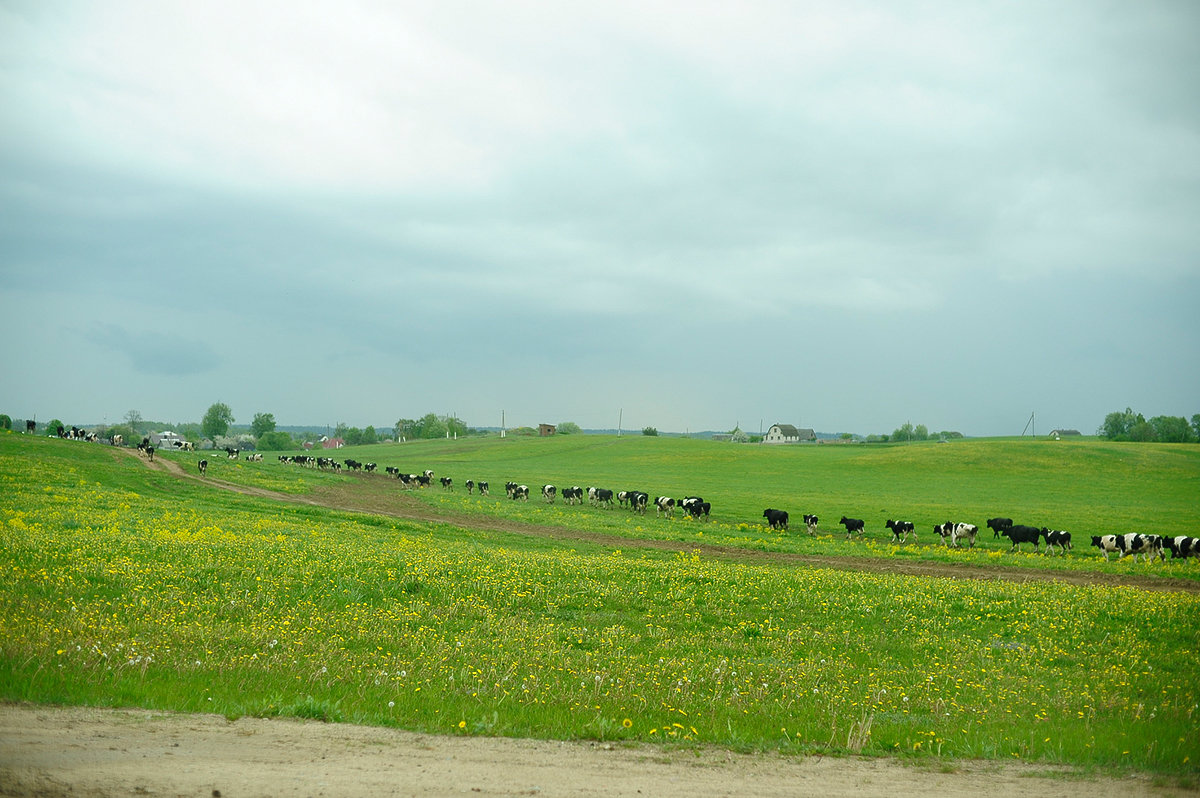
(627, 723)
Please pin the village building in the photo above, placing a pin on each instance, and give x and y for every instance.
(786, 433)
(546, 430)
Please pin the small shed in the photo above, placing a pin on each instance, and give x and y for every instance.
(546, 430)
(787, 433)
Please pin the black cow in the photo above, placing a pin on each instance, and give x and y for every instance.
(777, 519)
(810, 521)
(604, 497)
(150, 453)
(483, 489)
(447, 483)
(901, 530)
(853, 525)
(998, 525)
(1019, 533)
(30, 425)
(1056, 537)
(203, 466)
(696, 507)
(470, 483)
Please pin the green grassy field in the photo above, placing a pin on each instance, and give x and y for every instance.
(125, 586)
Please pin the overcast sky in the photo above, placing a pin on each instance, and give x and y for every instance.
(685, 215)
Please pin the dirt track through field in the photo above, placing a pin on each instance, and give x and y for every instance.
(377, 495)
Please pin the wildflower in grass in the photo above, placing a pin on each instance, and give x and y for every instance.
(627, 723)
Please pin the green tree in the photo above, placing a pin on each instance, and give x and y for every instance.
(216, 420)
(353, 436)
(649, 431)
(52, 426)
(262, 424)
(5, 421)
(369, 435)
(904, 433)
(1117, 425)
(405, 429)
(1142, 431)
(276, 442)
(1172, 429)
(568, 428)
(432, 427)
(1196, 426)
(920, 433)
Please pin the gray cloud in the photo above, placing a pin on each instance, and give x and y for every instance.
(154, 353)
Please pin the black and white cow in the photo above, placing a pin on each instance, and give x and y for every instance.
(696, 507)
(1019, 533)
(1147, 546)
(810, 521)
(548, 493)
(604, 497)
(964, 531)
(901, 530)
(1182, 547)
(573, 495)
(998, 525)
(520, 492)
(946, 531)
(638, 501)
(470, 483)
(483, 489)
(776, 519)
(1056, 537)
(203, 466)
(853, 525)
(447, 483)
(665, 506)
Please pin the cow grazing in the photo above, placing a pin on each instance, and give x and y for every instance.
(998, 525)
(1019, 533)
(470, 483)
(901, 530)
(231, 453)
(1056, 537)
(483, 489)
(853, 525)
(967, 531)
(548, 493)
(203, 466)
(810, 521)
(776, 519)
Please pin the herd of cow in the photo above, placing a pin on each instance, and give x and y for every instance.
(952, 534)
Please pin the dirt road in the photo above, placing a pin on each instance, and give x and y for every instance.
(96, 752)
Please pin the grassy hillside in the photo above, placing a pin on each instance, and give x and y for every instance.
(120, 585)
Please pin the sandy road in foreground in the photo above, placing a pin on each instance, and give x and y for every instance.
(51, 751)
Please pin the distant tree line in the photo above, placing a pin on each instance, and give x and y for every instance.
(907, 432)
(1131, 426)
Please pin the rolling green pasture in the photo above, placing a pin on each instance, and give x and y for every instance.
(123, 586)
(1085, 487)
